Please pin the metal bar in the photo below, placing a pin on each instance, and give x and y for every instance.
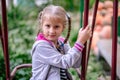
(81, 12)
(86, 11)
(19, 67)
(5, 39)
(93, 25)
(114, 40)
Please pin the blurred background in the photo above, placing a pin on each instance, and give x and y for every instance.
(23, 23)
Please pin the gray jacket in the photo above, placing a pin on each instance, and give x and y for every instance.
(45, 54)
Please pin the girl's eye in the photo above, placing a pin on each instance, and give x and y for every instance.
(56, 26)
(47, 25)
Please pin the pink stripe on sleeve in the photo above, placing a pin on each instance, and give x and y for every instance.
(79, 46)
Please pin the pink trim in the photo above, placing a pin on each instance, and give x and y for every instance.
(41, 37)
(78, 45)
(78, 48)
(61, 39)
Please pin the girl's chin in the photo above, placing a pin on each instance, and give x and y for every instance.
(53, 40)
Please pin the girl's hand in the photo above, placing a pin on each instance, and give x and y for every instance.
(84, 34)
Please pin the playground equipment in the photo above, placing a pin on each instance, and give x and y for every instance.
(114, 39)
(85, 57)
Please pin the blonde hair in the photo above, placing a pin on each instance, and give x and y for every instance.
(58, 13)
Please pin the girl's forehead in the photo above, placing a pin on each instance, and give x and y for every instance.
(53, 18)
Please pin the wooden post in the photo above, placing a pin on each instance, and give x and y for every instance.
(114, 40)
(93, 25)
(86, 12)
(5, 39)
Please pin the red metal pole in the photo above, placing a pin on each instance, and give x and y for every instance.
(86, 12)
(114, 40)
(5, 39)
(93, 25)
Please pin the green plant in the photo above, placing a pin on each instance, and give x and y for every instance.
(2, 65)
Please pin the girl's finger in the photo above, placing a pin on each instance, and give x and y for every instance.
(81, 29)
(87, 27)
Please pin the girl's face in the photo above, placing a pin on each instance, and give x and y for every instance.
(52, 28)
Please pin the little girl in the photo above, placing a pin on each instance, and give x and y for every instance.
(52, 54)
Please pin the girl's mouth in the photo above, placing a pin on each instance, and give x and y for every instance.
(52, 35)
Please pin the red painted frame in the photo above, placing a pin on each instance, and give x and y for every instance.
(85, 57)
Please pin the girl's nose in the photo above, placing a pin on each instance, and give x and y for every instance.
(52, 30)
